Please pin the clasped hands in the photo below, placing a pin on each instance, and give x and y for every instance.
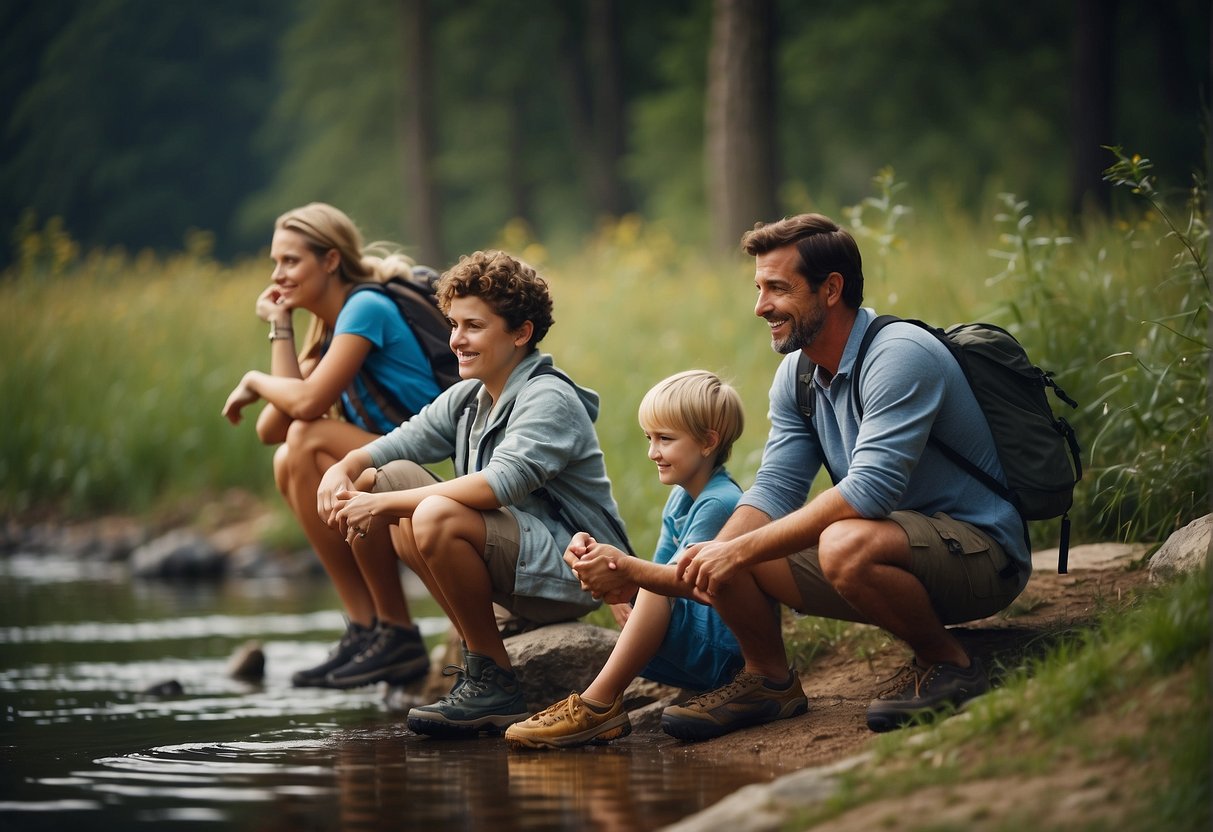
(351, 512)
(704, 567)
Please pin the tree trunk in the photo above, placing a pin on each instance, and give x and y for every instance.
(740, 143)
(593, 87)
(423, 209)
(1091, 104)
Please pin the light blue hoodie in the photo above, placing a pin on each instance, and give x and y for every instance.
(539, 439)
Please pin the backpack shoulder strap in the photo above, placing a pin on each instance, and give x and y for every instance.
(806, 403)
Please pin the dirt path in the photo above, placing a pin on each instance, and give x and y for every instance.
(840, 685)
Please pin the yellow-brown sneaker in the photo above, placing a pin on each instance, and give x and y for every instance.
(569, 723)
(747, 700)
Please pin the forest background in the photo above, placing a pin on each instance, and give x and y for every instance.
(623, 146)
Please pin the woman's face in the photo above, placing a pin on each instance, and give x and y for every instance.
(485, 348)
(300, 275)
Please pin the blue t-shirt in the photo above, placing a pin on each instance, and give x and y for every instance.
(396, 360)
(699, 651)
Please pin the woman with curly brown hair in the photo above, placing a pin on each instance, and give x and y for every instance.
(530, 474)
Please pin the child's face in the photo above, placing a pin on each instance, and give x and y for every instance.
(681, 459)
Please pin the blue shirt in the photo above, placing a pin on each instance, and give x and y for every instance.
(396, 359)
(699, 651)
(910, 386)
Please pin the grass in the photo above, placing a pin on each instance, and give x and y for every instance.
(1121, 709)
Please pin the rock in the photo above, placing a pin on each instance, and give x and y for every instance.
(1185, 551)
(1092, 556)
(770, 806)
(248, 663)
(556, 660)
(178, 554)
(552, 662)
(169, 687)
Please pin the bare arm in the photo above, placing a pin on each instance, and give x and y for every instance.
(296, 397)
(272, 422)
(709, 565)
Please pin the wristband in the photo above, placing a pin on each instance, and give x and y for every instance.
(281, 333)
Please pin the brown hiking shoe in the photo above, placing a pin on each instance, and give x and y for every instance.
(568, 723)
(747, 700)
(916, 690)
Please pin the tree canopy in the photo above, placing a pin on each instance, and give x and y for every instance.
(135, 120)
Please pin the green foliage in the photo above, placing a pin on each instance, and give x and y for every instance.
(1122, 315)
(113, 379)
(130, 119)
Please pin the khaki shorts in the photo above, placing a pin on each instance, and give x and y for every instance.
(503, 542)
(964, 571)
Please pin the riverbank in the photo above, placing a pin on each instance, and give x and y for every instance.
(839, 680)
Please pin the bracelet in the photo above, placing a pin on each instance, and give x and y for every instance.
(281, 333)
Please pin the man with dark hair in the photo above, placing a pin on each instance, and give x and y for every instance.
(905, 539)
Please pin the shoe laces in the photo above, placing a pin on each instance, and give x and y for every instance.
(378, 644)
(908, 676)
(565, 709)
(712, 698)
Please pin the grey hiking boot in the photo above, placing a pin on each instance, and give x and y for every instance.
(917, 690)
(393, 654)
(353, 641)
(486, 697)
(747, 700)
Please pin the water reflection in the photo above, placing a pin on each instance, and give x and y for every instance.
(82, 747)
(388, 778)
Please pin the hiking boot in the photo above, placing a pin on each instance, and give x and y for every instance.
(393, 654)
(353, 642)
(570, 722)
(917, 690)
(486, 697)
(747, 700)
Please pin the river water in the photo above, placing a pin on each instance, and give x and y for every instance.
(82, 747)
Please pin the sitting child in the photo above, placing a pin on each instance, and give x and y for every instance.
(691, 421)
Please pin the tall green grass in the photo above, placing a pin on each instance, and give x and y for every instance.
(115, 366)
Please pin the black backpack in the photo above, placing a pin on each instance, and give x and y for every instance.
(1038, 451)
(414, 296)
(467, 410)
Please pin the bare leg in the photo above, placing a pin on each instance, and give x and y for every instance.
(450, 538)
(639, 642)
(868, 563)
(749, 605)
(309, 450)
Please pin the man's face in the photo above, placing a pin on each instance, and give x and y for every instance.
(794, 312)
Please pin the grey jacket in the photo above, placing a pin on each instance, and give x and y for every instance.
(544, 446)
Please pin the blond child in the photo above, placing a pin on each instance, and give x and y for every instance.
(691, 421)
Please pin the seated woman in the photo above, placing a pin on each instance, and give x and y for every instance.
(318, 263)
(529, 474)
(691, 421)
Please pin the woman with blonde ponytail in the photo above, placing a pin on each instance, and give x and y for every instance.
(319, 260)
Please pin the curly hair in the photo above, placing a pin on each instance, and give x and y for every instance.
(512, 288)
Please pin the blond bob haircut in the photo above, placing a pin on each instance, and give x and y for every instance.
(695, 402)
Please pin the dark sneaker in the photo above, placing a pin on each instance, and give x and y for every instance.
(486, 697)
(394, 654)
(916, 691)
(568, 723)
(354, 641)
(747, 700)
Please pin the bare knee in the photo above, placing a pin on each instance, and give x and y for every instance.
(434, 523)
(845, 554)
(283, 465)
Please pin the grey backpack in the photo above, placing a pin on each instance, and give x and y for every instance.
(1039, 452)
